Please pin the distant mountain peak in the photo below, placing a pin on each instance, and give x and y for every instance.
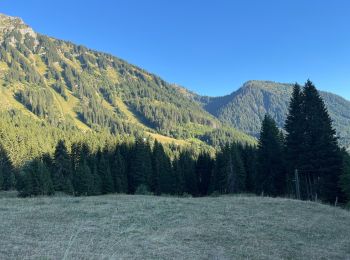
(245, 108)
(9, 24)
(265, 84)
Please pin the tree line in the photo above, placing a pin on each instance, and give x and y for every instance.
(303, 161)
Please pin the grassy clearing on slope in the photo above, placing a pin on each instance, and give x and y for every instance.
(146, 227)
(167, 140)
(131, 117)
(67, 107)
(8, 101)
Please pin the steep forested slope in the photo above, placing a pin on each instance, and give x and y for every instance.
(245, 108)
(73, 88)
(70, 89)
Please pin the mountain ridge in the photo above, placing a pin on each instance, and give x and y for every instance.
(245, 108)
(73, 87)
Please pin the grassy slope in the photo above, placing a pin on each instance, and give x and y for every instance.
(143, 227)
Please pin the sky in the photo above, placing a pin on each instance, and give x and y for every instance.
(209, 46)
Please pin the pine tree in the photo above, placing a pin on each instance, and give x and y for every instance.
(178, 175)
(161, 178)
(294, 127)
(221, 169)
(83, 178)
(345, 177)
(204, 170)
(75, 156)
(24, 184)
(104, 172)
(321, 160)
(236, 172)
(248, 154)
(271, 177)
(7, 177)
(96, 181)
(188, 172)
(1, 178)
(35, 179)
(46, 183)
(140, 165)
(62, 168)
(156, 169)
(118, 171)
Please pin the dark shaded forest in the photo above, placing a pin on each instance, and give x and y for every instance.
(303, 161)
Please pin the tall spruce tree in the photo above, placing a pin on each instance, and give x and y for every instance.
(179, 182)
(83, 178)
(321, 160)
(186, 173)
(204, 170)
(104, 172)
(236, 171)
(140, 165)
(271, 177)
(35, 179)
(221, 169)
(294, 127)
(118, 171)
(161, 177)
(248, 154)
(7, 176)
(62, 168)
(345, 177)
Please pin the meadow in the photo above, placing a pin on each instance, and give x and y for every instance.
(150, 227)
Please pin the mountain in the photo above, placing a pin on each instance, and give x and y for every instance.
(245, 108)
(54, 88)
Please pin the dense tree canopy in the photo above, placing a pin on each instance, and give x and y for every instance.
(312, 146)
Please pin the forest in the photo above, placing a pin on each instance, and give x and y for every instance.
(303, 161)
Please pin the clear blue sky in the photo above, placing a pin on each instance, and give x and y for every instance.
(210, 47)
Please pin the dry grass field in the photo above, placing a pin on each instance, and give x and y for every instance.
(147, 227)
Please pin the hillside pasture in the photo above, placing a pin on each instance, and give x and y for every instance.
(149, 227)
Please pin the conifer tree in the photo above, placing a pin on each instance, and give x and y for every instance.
(236, 172)
(96, 179)
(75, 156)
(161, 178)
(104, 172)
(204, 170)
(35, 179)
(345, 177)
(271, 177)
(1, 178)
(220, 173)
(156, 169)
(294, 127)
(178, 175)
(118, 171)
(83, 178)
(321, 160)
(248, 154)
(62, 168)
(188, 172)
(140, 165)
(7, 177)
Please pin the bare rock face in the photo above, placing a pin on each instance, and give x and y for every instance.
(10, 24)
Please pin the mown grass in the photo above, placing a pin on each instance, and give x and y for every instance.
(147, 227)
